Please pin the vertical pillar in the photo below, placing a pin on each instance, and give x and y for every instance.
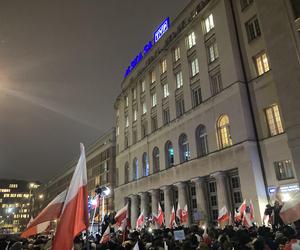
(154, 200)
(134, 209)
(168, 201)
(222, 189)
(145, 203)
(183, 197)
(202, 204)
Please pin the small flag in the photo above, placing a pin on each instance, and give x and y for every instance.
(106, 236)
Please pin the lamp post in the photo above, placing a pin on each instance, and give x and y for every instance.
(102, 192)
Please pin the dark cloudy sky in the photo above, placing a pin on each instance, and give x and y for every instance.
(61, 65)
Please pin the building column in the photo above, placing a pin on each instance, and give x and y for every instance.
(168, 203)
(154, 200)
(134, 209)
(222, 189)
(183, 198)
(202, 204)
(145, 203)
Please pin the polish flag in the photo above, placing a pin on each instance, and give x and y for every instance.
(242, 208)
(74, 216)
(179, 213)
(160, 217)
(290, 211)
(172, 219)
(121, 215)
(106, 236)
(251, 211)
(223, 215)
(140, 221)
(294, 244)
(184, 214)
(49, 213)
(246, 221)
(237, 216)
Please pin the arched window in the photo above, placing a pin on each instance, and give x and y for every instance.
(155, 158)
(169, 154)
(145, 165)
(126, 173)
(223, 130)
(135, 169)
(201, 140)
(184, 148)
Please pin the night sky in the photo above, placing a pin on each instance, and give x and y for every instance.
(61, 67)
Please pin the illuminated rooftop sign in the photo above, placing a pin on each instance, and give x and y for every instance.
(161, 30)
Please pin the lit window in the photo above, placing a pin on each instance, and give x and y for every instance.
(13, 185)
(274, 120)
(184, 148)
(134, 94)
(126, 101)
(144, 106)
(253, 29)
(13, 195)
(143, 86)
(153, 99)
(134, 114)
(284, 170)
(209, 23)
(126, 121)
(179, 80)
(224, 132)
(6, 195)
(169, 151)
(194, 67)
(191, 40)
(177, 54)
(135, 169)
(163, 66)
(153, 76)
(262, 64)
(146, 170)
(166, 90)
(201, 140)
(213, 52)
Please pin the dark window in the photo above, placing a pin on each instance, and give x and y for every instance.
(193, 191)
(166, 116)
(144, 129)
(201, 140)
(179, 107)
(284, 170)
(245, 3)
(216, 83)
(237, 197)
(154, 123)
(194, 204)
(213, 200)
(296, 8)
(146, 170)
(126, 142)
(126, 173)
(134, 136)
(212, 188)
(196, 96)
(236, 194)
(169, 153)
(253, 29)
(135, 168)
(184, 150)
(155, 158)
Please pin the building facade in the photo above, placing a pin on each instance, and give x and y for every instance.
(209, 117)
(16, 204)
(100, 161)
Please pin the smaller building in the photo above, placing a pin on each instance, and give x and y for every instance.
(17, 201)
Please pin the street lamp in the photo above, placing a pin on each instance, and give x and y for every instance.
(102, 192)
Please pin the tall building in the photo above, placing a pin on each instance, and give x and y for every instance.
(208, 113)
(16, 204)
(100, 161)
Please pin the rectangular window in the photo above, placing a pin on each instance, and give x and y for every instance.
(179, 80)
(191, 40)
(134, 136)
(194, 67)
(126, 121)
(154, 123)
(216, 83)
(274, 120)
(213, 52)
(213, 200)
(177, 54)
(144, 129)
(166, 116)
(209, 23)
(166, 90)
(126, 101)
(179, 107)
(134, 94)
(163, 66)
(143, 86)
(153, 99)
(284, 170)
(126, 141)
(296, 8)
(245, 3)
(196, 96)
(134, 115)
(152, 76)
(262, 64)
(144, 106)
(252, 28)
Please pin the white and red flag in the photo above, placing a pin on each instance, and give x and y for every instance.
(140, 221)
(294, 244)
(184, 214)
(121, 215)
(251, 212)
(179, 213)
(223, 215)
(106, 236)
(290, 211)
(160, 216)
(242, 208)
(237, 216)
(51, 212)
(172, 223)
(246, 221)
(74, 216)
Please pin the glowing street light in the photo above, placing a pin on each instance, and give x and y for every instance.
(41, 196)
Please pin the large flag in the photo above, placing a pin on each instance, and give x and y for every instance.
(121, 215)
(237, 216)
(179, 213)
(140, 221)
(74, 217)
(49, 213)
(223, 215)
(246, 221)
(242, 208)
(172, 218)
(184, 214)
(290, 211)
(160, 217)
(106, 236)
(251, 212)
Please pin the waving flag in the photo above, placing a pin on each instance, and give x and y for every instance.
(106, 236)
(179, 213)
(172, 218)
(242, 208)
(246, 221)
(290, 211)
(121, 215)
(160, 217)
(223, 215)
(74, 217)
(237, 216)
(184, 214)
(140, 221)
